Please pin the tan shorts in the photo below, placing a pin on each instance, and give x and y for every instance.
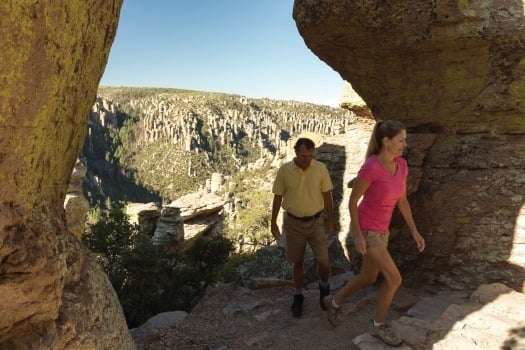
(298, 233)
(375, 239)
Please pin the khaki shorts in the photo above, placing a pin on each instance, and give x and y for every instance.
(298, 233)
(374, 238)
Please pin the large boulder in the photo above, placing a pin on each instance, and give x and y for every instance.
(453, 72)
(201, 211)
(449, 64)
(54, 295)
(198, 204)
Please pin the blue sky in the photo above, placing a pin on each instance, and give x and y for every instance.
(245, 47)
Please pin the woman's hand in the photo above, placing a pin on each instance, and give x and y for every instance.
(420, 241)
(360, 243)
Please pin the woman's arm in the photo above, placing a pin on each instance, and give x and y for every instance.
(404, 208)
(359, 188)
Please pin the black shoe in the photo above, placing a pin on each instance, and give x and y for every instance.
(323, 292)
(297, 306)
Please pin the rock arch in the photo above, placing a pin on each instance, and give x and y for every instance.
(453, 72)
(54, 296)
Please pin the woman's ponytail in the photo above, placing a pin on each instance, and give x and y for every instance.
(382, 129)
(373, 144)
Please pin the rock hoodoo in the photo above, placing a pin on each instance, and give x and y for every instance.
(453, 72)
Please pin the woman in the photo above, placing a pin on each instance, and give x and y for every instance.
(381, 182)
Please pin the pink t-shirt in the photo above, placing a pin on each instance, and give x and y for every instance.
(380, 199)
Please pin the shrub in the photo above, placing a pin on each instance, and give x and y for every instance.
(149, 279)
(229, 272)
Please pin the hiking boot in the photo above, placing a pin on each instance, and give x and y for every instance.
(386, 334)
(323, 292)
(297, 306)
(334, 313)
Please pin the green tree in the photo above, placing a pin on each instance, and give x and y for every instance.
(251, 226)
(207, 255)
(111, 238)
(149, 279)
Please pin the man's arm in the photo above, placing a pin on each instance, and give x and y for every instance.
(329, 207)
(276, 206)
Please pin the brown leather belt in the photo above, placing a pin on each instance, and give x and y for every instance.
(305, 218)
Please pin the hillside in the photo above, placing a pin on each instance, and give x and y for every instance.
(157, 144)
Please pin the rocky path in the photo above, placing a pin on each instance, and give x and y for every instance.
(232, 317)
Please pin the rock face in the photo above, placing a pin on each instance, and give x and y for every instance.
(452, 71)
(54, 296)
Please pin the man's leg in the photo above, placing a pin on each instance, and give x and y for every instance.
(298, 275)
(298, 298)
(324, 285)
(319, 244)
(324, 270)
(295, 247)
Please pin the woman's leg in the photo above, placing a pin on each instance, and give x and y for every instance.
(382, 260)
(367, 276)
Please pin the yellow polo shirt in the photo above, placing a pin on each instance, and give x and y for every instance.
(302, 190)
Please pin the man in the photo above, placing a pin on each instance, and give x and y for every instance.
(304, 189)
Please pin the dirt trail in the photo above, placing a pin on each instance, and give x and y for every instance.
(231, 317)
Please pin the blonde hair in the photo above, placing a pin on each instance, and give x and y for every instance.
(382, 129)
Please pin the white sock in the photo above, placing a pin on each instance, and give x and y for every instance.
(377, 324)
(334, 304)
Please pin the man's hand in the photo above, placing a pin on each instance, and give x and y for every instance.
(330, 229)
(275, 231)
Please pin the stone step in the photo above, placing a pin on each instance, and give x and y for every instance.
(489, 319)
(430, 308)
